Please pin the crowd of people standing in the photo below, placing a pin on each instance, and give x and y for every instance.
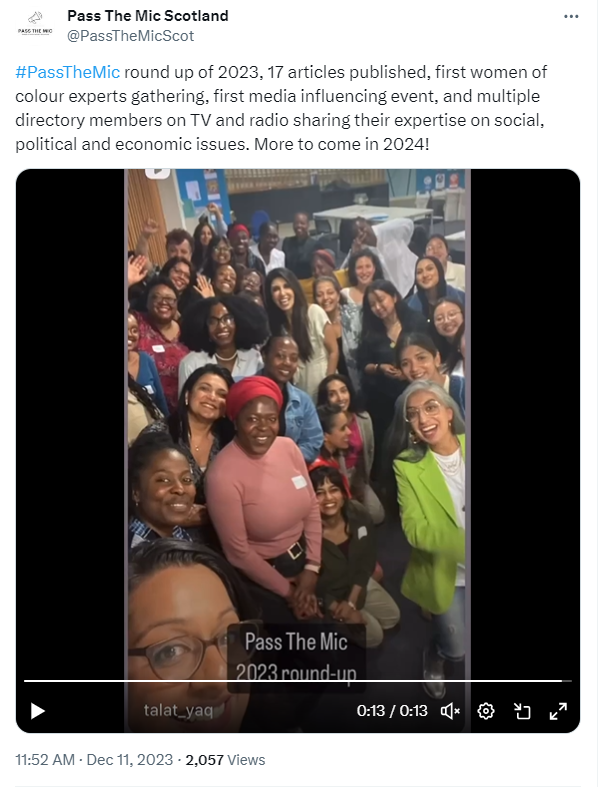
(277, 403)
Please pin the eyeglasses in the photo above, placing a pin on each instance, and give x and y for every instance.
(430, 408)
(227, 319)
(444, 317)
(180, 658)
(167, 301)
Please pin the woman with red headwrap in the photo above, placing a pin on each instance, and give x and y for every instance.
(239, 237)
(263, 507)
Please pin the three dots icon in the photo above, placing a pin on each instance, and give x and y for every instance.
(572, 16)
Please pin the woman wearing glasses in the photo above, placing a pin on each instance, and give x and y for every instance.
(429, 443)
(182, 598)
(449, 323)
(160, 335)
(227, 331)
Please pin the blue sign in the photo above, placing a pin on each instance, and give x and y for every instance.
(199, 187)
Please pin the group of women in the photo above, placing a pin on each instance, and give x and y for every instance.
(270, 417)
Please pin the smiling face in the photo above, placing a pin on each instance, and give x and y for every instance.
(327, 296)
(182, 249)
(330, 498)
(426, 275)
(222, 328)
(382, 304)
(257, 425)
(222, 253)
(206, 235)
(436, 248)
(133, 333)
(251, 282)
(162, 304)
(180, 276)
(365, 271)
(339, 394)
(419, 364)
(428, 418)
(240, 243)
(166, 610)
(224, 280)
(281, 362)
(271, 238)
(282, 294)
(165, 491)
(300, 226)
(337, 439)
(447, 319)
(206, 400)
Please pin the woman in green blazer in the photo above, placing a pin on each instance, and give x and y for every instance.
(428, 440)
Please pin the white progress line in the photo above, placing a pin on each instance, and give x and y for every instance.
(348, 682)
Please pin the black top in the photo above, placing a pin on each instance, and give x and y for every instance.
(299, 255)
(377, 348)
(351, 563)
(342, 367)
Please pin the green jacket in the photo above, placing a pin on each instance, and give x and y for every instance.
(431, 527)
(339, 573)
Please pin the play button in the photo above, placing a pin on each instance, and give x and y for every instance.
(35, 711)
(158, 174)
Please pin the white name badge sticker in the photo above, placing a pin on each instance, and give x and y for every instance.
(150, 389)
(362, 532)
(299, 482)
(158, 348)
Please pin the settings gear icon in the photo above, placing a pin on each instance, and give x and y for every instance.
(486, 710)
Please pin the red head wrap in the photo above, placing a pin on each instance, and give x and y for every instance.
(237, 228)
(249, 388)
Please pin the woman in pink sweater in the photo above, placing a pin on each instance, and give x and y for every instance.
(263, 507)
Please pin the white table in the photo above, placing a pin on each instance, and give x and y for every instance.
(456, 236)
(373, 213)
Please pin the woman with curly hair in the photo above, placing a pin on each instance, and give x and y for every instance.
(227, 331)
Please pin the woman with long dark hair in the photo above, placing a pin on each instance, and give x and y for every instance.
(364, 267)
(309, 326)
(449, 322)
(385, 317)
(201, 430)
(430, 286)
(337, 390)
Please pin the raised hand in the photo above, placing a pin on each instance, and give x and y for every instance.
(136, 270)
(150, 228)
(204, 287)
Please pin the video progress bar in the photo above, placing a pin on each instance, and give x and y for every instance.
(317, 680)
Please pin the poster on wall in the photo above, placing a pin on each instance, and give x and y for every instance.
(200, 187)
(439, 179)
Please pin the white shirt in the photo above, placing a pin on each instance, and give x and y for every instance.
(277, 258)
(455, 482)
(455, 275)
(248, 363)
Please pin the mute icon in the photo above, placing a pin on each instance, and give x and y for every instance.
(449, 711)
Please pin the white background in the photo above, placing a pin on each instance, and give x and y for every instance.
(344, 35)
